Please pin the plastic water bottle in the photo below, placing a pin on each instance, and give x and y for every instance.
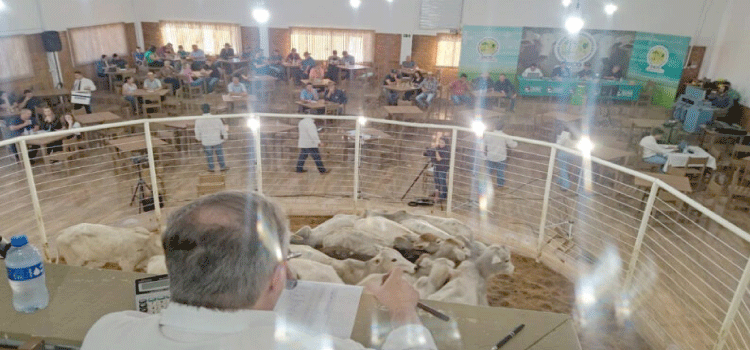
(26, 276)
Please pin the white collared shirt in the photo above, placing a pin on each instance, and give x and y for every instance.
(84, 84)
(181, 327)
(210, 132)
(651, 147)
(497, 146)
(308, 134)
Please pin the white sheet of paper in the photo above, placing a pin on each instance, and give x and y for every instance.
(320, 307)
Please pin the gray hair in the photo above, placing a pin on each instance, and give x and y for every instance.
(222, 249)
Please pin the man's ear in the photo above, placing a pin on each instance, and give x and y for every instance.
(278, 279)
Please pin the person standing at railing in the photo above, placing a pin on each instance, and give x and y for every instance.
(564, 159)
(496, 148)
(440, 155)
(308, 144)
(211, 133)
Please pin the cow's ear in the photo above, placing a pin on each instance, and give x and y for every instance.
(496, 259)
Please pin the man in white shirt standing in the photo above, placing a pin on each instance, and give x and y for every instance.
(653, 152)
(227, 260)
(211, 133)
(496, 148)
(82, 83)
(308, 145)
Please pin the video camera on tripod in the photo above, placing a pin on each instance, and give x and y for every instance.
(139, 159)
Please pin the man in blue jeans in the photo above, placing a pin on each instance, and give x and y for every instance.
(211, 133)
(440, 155)
(496, 146)
(653, 152)
(308, 143)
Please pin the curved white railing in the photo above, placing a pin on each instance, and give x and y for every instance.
(684, 269)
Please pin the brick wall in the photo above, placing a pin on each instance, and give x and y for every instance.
(152, 35)
(387, 52)
(424, 52)
(278, 39)
(250, 38)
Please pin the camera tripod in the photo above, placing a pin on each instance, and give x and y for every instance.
(139, 191)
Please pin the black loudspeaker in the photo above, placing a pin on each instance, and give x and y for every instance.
(51, 41)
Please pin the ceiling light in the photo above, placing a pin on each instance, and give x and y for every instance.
(389, 0)
(261, 15)
(566, 3)
(610, 9)
(574, 24)
(355, 3)
(2, 5)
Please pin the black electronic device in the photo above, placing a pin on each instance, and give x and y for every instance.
(51, 41)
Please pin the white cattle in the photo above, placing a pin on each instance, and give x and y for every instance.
(309, 270)
(353, 271)
(420, 227)
(467, 282)
(96, 245)
(383, 230)
(396, 216)
(333, 224)
(310, 253)
(450, 248)
(353, 241)
(439, 272)
(157, 265)
(376, 279)
(451, 226)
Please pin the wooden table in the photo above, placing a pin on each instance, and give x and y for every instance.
(144, 94)
(484, 114)
(61, 94)
(402, 110)
(43, 142)
(97, 118)
(274, 145)
(316, 83)
(234, 62)
(80, 296)
(288, 68)
(680, 183)
(489, 95)
(351, 69)
(134, 143)
(610, 154)
(182, 130)
(231, 99)
(401, 89)
(129, 72)
(317, 105)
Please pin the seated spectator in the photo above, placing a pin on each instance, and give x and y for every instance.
(316, 73)
(347, 60)
(508, 91)
(308, 94)
(307, 64)
(138, 56)
(118, 62)
(199, 58)
(227, 52)
(151, 83)
(128, 91)
(274, 65)
(332, 94)
(391, 96)
(586, 72)
(533, 72)
(334, 59)
(459, 91)
(408, 63)
(7, 101)
(101, 66)
(50, 122)
(224, 298)
(153, 59)
(483, 82)
(614, 73)
(248, 53)
(416, 79)
(28, 101)
(169, 75)
(69, 123)
(293, 57)
(236, 88)
(181, 52)
(23, 124)
(429, 89)
(562, 71)
(211, 72)
(166, 51)
(332, 72)
(259, 64)
(192, 78)
(653, 152)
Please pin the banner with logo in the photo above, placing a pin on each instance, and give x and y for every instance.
(659, 58)
(549, 47)
(489, 49)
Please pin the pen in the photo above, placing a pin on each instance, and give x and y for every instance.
(508, 337)
(433, 312)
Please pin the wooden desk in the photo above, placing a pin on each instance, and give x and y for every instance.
(317, 105)
(145, 94)
(234, 62)
(80, 296)
(134, 143)
(351, 69)
(97, 118)
(61, 94)
(403, 110)
(288, 68)
(485, 114)
(610, 154)
(123, 72)
(401, 89)
(680, 183)
(43, 142)
(231, 99)
(318, 83)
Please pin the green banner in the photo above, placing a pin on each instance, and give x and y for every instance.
(489, 49)
(659, 58)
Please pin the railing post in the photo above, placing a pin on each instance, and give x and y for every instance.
(24, 150)
(258, 159)
(152, 172)
(357, 133)
(451, 168)
(545, 203)
(641, 232)
(733, 307)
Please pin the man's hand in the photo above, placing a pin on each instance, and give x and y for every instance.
(399, 297)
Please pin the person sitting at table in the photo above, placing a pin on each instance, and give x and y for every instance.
(82, 83)
(334, 60)
(181, 52)
(101, 67)
(138, 56)
(347, 60)
(118, 61)
(151, 83)
(653, 152)
(166, 51)
(211, 133)
(199, 58)
(416, 79)
(236, 87)
(275, 66)
(309, 94)
(169, 75)
(508, 90)
(49, 123)
(247, 53)
(307, 64)
(440, 154)
(332, 94)
(259, 64)
(614, 73)
(24, 123)
(308, 143)
(533, 72)
(429, 88)
(483, 82)
(7, 101)
(28, 101)
(293, 57)
(227, 52)
(128, 89)
(586, 73)
(316, 73)
(211, 73)
(562, 71)
(69, 123)
(408, 63)
(390, 95)
(152, 58)
(459, 91)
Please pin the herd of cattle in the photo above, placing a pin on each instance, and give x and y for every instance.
(444, 262)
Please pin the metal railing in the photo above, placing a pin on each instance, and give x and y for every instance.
(684, 269)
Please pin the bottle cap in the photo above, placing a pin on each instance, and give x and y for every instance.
(19, 241)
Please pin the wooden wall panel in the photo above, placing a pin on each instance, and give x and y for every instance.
(152, 35)
(250, 38)
(424, 51)
(278, 39)
(387, 51)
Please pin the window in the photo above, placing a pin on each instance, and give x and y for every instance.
(90, 43)
(210, 37)
(320, 42)
(448, 50)
(15, 60)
